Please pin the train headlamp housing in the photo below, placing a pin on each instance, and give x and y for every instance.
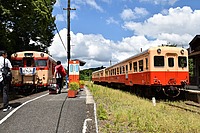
(15, 54)
(42, 55)
(182, 51)
(159, 51)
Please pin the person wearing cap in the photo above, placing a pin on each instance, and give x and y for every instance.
(4, 85)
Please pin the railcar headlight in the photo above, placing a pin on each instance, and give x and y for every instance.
(42, 55)
(159, 51)
(182, 51)
(15, 54)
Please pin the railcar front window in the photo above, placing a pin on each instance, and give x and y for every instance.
(28, 63)
(182, 61)
(171, 62)
(158, 61)
(17, 63)
(41, 62)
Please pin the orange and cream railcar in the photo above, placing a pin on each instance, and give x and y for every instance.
(158, 69)
(31, 70)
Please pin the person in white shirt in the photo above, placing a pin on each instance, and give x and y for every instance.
(4, 85)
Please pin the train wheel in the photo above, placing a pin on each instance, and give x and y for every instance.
(171, 91)
(27, 90)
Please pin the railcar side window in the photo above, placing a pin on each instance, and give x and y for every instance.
(135, 66)
(123, 69)
(41, 62)
(117, 70)
(158, 60)
(130, 66)
(182, 61)
(106, 73)
(147, 63)
(141, 65)
(101, 74)
(171, 62)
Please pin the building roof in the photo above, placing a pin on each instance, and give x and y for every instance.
(82, 63)
(195, 43)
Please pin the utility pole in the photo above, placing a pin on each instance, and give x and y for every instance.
(68, 32)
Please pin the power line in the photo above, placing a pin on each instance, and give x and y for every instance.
(49, 14)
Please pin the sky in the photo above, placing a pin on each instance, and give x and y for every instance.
(104, 32)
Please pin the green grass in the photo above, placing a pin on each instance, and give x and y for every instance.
(122, 112)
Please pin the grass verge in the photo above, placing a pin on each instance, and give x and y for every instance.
(122, 112)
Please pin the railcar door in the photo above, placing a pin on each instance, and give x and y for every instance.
(171, 73)
(28, 70)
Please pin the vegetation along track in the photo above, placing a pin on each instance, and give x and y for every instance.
(187, 106)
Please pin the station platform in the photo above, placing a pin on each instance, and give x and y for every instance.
(51, 113)
(192, 93)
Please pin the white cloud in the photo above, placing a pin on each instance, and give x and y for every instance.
(84, 47)
(107, 1)
(162, 2)
(176, 25)
(91, 3)
(111, 20)
(182, 22)
(60, 17)
(98, 51)
(129, 14)
(140, 11)
(57, 4)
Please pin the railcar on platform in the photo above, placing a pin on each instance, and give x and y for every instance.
(31, 70)
(161, 70)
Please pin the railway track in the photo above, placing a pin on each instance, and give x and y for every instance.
(187, 106)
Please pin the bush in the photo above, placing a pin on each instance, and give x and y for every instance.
(73, 86)
(81, 82)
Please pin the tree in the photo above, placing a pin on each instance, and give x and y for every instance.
(26, 25)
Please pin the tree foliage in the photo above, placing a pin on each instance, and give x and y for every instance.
(86, 74)
(191, 67)
(26, 25)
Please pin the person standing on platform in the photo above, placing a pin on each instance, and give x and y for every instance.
(67, 81)
(59, 74)
(5, 83)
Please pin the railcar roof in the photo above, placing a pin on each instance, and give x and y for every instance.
(167, 48)
(99, 70)
(37, 52)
